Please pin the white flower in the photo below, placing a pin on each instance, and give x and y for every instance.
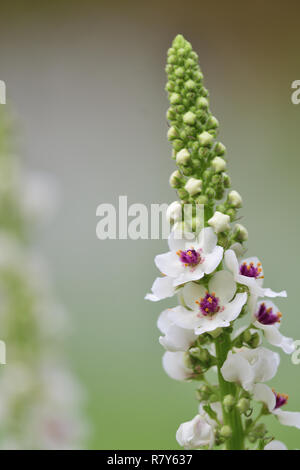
(267, 317)
(161, 289)
(209, 309)
(174, 212)
(219, 222)
(190, 258)
(235, 199)
(196, 433)
(274, 401)
(174, 365)
(275, 445)
(218, 164)
(39, 195)
(193, 186)
(250, 274)
(250, 366)
(175, 338)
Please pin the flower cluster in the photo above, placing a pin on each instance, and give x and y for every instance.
(215, 284)
(40, 401)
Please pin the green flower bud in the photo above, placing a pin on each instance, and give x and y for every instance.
(183, 157)
(226, 431)
(195, 352)
(210, 193)
(190, 85)
(229, 402)
(171, 59)
(206, 139)
(175, 179)
(187, 170)
(172, 133)
(188, 361)
(189, 118)
(243, 405)
(231, 213)
(193, 186)
(183, 194)
(198, 75)
(201, 199)
(203, 393)
(171, 114)
(214, 398)
(246, 336)
(204, 355)
(255, 340)
(218, 164)
(216, 179)
(260, 430)
(177, 144)
(220, 149)
(226, 180)
(175, 98)
(221, 208)
(235, 199)
(212, 123)
(179, 72)
(240, 233)
(202, 102)
(207, 174)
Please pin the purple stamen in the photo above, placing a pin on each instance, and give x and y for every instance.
(266, 316)
(209, 304)
(190, 257)
(281, 399)
(250, 270)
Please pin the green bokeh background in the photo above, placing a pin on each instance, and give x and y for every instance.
(86, 82)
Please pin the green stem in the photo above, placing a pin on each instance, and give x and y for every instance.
(231, 418)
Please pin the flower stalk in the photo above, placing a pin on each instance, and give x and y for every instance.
(216, 285)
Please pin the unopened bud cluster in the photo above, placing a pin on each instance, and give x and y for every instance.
(201, 177)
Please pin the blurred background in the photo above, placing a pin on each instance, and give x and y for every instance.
(85, 82)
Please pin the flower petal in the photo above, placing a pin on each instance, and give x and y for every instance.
(233, 308)
(275, 445)
(237, 369)
(169, 264)
(288, 418)
(212, 260)
(185, 318)
(274, 337)
(231, 262)
(192, 292)
(263, 393)
(270, 293)
(164, 321)
(207, 240)
(188, 274)
(175, 338)
(174, 366)
(195, 433)
(222, 283)
(177, 240)
(161, 289)
(208, 323)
